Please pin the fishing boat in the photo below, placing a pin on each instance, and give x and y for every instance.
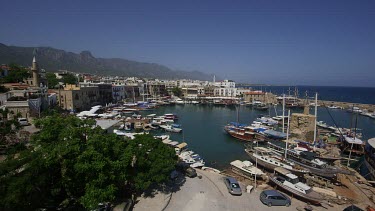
(290, 183)
(246, 169)
(265, 158)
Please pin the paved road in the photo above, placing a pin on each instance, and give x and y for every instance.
(209, 193)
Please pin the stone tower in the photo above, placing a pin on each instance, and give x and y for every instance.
(35, 71)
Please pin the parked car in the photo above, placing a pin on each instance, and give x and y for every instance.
(233, 186)
(186, 169)
(274, 198)
(23, 121)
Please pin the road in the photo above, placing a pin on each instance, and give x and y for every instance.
(210, 193)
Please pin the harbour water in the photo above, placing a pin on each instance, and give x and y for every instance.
(203, 128)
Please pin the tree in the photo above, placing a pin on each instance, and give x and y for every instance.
(177, 91)
(71, 161)
(70, 79)
(16, 74)
(8, 127)
(52, 80)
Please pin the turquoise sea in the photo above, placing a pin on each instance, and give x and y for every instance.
(203, 128)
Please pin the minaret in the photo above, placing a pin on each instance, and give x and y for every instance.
(35, 71)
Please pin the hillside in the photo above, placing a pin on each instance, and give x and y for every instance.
(52, 59)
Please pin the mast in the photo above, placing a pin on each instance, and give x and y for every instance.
(316, 117)
(355, 134)
(287, 135)
(283, 112)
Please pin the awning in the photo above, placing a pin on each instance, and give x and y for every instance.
(182, 145)
(275, 134)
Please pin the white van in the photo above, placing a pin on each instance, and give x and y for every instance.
(23, 121)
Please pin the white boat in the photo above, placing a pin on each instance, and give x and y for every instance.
(289, 182)
(210, 169)
(170, 128)
(246, 169)
(334, 107)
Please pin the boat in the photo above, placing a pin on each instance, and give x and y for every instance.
(170, 116)
(246, 169)
(290, 183)
(170, 128)
(368, 170)
(264, 157)
(350, 143)
(333, 107)
(210, 169)
(240, 131)
(308, 160)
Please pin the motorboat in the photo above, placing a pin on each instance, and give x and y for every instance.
(170, 128)
(290, 183)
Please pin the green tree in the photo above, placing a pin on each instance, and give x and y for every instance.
(70, 79)
(16, 74)
(52, 80)
(177, 91)
(71, 161)
(8, 127)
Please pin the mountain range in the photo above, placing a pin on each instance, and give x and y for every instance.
(52, 59)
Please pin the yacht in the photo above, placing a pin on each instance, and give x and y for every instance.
(265, 158)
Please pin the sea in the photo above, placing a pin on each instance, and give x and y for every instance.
(203, 124)
(365, 95)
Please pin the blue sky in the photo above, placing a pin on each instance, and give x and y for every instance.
(293, 42)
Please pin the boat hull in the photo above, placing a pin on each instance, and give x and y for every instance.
(271, 167)
(316, 200)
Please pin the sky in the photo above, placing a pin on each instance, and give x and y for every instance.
(280, 42)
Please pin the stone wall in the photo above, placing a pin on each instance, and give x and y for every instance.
(302, 126)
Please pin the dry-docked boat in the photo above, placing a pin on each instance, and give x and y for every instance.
(289, 182)
(309, 161)
(246, 169)
(264, 157)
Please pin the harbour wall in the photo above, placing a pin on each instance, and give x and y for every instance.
(345, 105)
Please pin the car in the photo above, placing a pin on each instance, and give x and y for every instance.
(274, 198)
(23, 121)
(233, 186)
(186, 169)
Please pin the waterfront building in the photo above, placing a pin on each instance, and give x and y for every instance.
(118, 93)
(76, 98)
(225, 83)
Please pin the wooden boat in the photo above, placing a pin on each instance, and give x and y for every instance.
(264, 157)
(290, 183)
(246, 169)
(309, 161)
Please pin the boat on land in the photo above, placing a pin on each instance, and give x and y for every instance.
(266, 158)
(290, 183)
(246, 169)
(309, 161)
(210, 169)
